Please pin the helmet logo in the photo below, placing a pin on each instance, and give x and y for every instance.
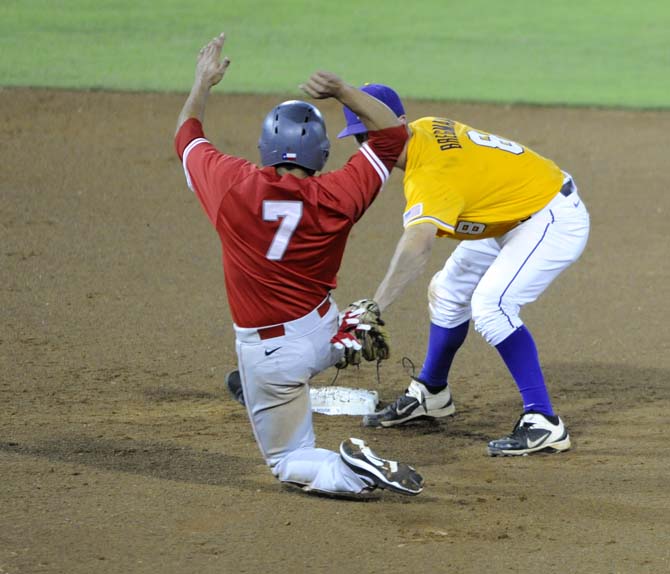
(294, 132)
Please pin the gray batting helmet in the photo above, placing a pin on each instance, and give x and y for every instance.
(294, 132)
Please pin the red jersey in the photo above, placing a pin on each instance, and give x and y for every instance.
(283, 237)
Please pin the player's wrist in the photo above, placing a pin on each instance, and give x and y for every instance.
(200, 85)
(345, 94)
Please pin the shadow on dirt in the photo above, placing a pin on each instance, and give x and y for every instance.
(158, 460)
(581, 392)
(585, 392)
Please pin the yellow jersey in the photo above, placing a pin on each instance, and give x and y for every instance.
(472, 184)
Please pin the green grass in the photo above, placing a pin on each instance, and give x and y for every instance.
(588, 52)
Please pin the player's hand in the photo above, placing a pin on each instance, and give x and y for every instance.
(345, 338)
(210, 67)
(344, 341)
(323, 85)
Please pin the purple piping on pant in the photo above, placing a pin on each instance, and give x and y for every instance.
(521, 267)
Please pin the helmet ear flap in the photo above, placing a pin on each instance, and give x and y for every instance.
(294, 132)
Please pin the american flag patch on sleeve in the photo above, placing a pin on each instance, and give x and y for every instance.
(412, 213)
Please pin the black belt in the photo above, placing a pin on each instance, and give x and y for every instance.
(568, 188)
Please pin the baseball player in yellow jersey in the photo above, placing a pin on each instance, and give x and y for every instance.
(521, 222)
(455, 181)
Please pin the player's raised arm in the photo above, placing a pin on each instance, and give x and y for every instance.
(373, 113)
(209, 71)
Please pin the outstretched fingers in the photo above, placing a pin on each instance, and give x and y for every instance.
(322, 85)
(212, 48)
(313, 89)
(211, 67)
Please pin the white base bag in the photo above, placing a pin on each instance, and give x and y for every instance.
(343, 401)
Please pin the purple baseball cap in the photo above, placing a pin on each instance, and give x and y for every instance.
(382, 93)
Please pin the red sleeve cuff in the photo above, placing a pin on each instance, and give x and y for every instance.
(396, 133)
(388, 143)
(191, 129)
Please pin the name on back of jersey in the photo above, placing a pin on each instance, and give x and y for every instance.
(444, 132)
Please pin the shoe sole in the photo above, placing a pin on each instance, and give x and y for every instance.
(362, 466)
(552, 448)
(376, 422)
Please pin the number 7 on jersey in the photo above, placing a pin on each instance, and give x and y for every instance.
(290, 213)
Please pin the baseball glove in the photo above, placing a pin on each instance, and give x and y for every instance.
(362, 321)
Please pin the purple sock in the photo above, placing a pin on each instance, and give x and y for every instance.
(443, 343)
(520, 355)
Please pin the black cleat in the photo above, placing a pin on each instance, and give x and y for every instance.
(234, 386)
(534, 432)
(387, 474)
(417, 402)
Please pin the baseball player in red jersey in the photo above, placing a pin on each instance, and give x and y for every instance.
(283, 231)
(521, 223)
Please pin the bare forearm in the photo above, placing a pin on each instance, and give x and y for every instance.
(209, 70)
(373, 113)
(408, 262)
(195, 104)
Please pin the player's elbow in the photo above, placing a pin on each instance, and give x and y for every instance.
(418, 240)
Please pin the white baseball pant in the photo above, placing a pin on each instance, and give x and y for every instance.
(489, 280)
(275, 373)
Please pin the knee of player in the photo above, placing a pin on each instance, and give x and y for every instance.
(492, 319)
(445, 307)
(447, 314)
(485, 306)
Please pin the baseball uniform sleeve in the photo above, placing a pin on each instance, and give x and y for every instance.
(430, 202)
(429, 182)
(352, 189)
(209, 173)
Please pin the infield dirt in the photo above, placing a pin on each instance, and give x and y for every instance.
(122, 453)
